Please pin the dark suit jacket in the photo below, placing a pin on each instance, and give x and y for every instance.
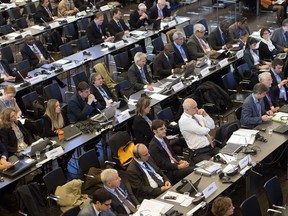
(142, 131)
(135, 22)
(272, 98)
(27, 53)
(195, 47)
(135, 79)
(47, 125)
(79, 110)
(42, 13)
(265, 53)
(215, 39)
(113, 28)
(248, 58)
(117, 206)
(98, 95)
(278, 38)
(88, 210)
(7, 68)
(234, 31)
(139, 181)
(161, 66)
(274, 85)
(249, 115)
(3, 150)
(93, 34)
(178, 60)
(9, 138)
(153, 12)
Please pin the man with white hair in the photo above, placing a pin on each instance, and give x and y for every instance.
(123, 200)
(270, 101)
(138, 75)
(159, 11)
(182, 56)
(195, 125)
(138, 17)
(197, 44)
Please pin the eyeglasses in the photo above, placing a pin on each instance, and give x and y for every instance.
(107, 204)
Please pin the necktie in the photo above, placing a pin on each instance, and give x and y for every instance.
(240, 32)
(103, 93)
(48, 11)
(259, 108)
(222, 38)
(125, 201)
(183, 54)
(203, 45)
(120, 26)
(99, 28)
(164, 145)
(37, 53)
(143, 76)
(160, 13)
(269, 99)
(152, 174)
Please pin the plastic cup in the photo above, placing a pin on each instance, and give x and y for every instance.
(61, 136)
(38, 155)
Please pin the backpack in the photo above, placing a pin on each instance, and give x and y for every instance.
(214, 94)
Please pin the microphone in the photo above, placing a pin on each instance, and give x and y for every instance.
(17, 37)
(26, 83)
(93, 6)
(102, 113)
(46, 24)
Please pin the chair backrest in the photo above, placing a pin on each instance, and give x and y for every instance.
(72, 212)
(53, 179)
(14, 13)
(117, 140)
(82, 25)
(122, 61)
(136, 49)
(158, 44)
(87, 160)
(224, 132)
(169, 35)
(188, 30)
(70, 31)
(103, 70)
(121, 87)
(274, 192)
(105, 21)
(30, 8)
(21, 23)
(2, 19)
(244, 71)
(205, 24)
(83, 43)
(229, 81)
(6, 29)
(79, 77)
(7, 54)
(165, 114)
(238, 112)
(23, 67)
(66, 49)
(28, 99)
(52, 91)
(251, 207)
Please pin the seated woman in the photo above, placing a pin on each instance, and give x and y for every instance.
(272, 5)
(8, 100)
(251, 56)
(267, 48)
(52, 119)
(13, 134)
(222, 206)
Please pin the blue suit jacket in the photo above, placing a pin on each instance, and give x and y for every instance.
(250, 116)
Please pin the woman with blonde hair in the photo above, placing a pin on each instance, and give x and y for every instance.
(222, 206)
(8, 100)
(12, 133)
(52, 119)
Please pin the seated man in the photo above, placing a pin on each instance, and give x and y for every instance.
(164, 64)
(82, 104)
(195, 125)
(182, 56)
(138, 75)
(138, 17)
(67, 8)
(96, 32)
(101, 91)
(237, 29)
(117, 24)
(163, 155)
(253, 109)
(44, 12)
(123, 201)
(100, 204)
(279, 36)
(197, 44)
(147, 180)
(219, 38)
(159, 11)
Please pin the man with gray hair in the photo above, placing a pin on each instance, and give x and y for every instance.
(195, 125)
(182, 56)
(269, 100)
(123, 200)
(159, 11)
(197, 44)
(138, 17)
(279, 36)
(253, 110)
(138, 75)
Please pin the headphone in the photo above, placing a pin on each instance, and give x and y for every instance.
(135, 152)
(224, 178)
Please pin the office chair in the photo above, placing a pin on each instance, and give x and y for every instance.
(52, 91)
(224, 132)
(205, 24)
(274, 193)
(7, 54)
(158, 45)
(6, 29)
(30, 10)
(169, 35)
(82, 26)
(166, 114)
(79, 77)
(14, 14)
(135, 49)
(245, 75)
(2, 20)
(251, 207)
(66, 49)
(124, 88)
(188, 30)
(72, 212)
(21, 23)
(107, 78)
(87, 160)
(70, 32)
(238, 113)
(23, 67)
(83, 43)
(122, 61)
(27, 101)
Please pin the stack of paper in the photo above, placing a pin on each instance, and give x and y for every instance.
(243, 137)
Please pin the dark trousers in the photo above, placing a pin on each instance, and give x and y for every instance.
(201, 154)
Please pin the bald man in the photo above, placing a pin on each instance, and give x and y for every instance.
(159, 11)
(195, 125)
(147, 180)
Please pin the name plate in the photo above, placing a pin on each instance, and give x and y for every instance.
(172, 23)
(123, 116)
(210, 190)
(119, 43)
(240, 54)
(37, 79)
(204, 72)
(54, 153)
(105, 8)
(245, 161)
(223, 63)
(26, 33)
(178, 86)
(54, 24)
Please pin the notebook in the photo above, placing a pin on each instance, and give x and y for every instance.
(70, 132)
(203, 62)
(39, 145)
(231, 149)
(118, 36)
(189, 70)
(284, 108)
(281, 129)
(155, 25)
(19, 167)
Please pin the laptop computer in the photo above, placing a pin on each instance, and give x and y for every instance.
(281, 129)
(231, 149)
(189, 70)
(219, 55)
(156, 25)
(106, 114)
(39, 145)
(71, 131)
(284, 108)
(203, 62)
(19, 167)
(118, 36)
(281, 55)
